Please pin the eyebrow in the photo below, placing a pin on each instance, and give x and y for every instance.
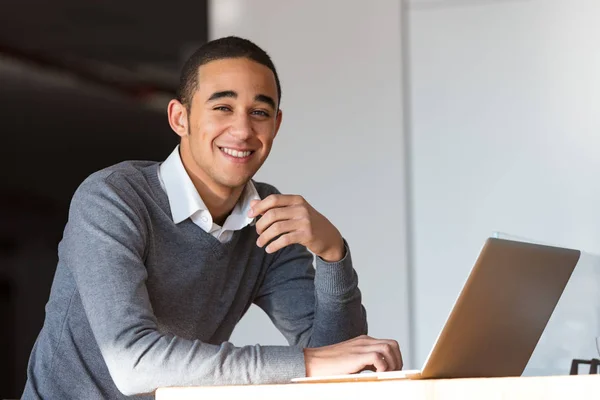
(263, 98)
(220, 95)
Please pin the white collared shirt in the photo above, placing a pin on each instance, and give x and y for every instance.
(186, 202)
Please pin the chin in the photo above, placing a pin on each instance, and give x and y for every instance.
(233, 184)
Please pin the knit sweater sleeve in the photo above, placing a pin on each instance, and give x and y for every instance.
(313, 308)
(104, 247)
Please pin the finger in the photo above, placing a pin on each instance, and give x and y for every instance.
(274, 215)
(395, 354)
(394, 348)
(386, 352)
(386, 349)
(365, 340)
(272, 201)
(398, 354)
(277, 229)
(282, 241)
(376, 360)
(254, 202)
(269, 202)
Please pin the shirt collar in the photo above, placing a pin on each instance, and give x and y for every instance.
(185, 200)
(239, 215)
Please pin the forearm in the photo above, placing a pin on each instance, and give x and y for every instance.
(339, 314)
(156, 360)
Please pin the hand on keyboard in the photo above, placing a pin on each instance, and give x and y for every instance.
(354, 355)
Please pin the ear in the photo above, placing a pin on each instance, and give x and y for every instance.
(278, 122)
(178, 117)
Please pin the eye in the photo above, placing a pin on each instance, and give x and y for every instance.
(261, 113)
(222, 108)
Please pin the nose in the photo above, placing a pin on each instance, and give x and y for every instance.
(241, 127)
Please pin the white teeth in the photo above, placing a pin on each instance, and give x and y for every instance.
(235, 153)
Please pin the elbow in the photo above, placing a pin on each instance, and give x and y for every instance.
(132, 366)
(128, 384)
(126, 388)
(130, 381)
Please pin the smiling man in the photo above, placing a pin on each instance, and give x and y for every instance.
(159, 261)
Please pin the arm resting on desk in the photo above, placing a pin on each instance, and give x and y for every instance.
(103, 247)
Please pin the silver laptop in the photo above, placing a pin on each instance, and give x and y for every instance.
(498, 317)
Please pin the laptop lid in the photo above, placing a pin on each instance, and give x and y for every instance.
(501, 311)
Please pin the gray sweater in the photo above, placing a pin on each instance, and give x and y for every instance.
(139, 303)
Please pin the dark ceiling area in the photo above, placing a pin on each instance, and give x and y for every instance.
(131, 44)
(83, 85)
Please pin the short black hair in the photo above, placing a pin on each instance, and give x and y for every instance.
(219, 49)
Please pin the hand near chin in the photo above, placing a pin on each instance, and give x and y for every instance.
(289, 219)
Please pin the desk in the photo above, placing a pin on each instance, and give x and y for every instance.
(525, 388)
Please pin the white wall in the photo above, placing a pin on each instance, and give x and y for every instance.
(505, 136)
(341, 143)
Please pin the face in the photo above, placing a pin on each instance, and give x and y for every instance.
(228, 132)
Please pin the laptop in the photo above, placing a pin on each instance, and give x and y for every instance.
(498, 317)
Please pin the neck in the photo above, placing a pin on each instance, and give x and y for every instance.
(218, 199)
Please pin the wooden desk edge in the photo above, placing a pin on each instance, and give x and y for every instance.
(429, 389)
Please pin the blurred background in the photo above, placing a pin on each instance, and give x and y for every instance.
(418, 127)
(83, 85)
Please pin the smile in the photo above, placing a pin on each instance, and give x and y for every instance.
(236, 153)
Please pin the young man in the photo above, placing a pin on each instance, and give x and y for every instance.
(158, 262)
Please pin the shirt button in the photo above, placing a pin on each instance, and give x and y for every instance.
(204, 218)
